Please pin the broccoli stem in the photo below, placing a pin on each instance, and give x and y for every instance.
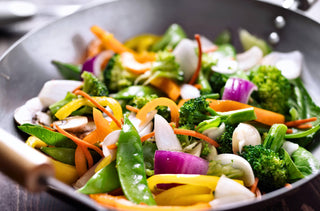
(237, 116)
(275, 137)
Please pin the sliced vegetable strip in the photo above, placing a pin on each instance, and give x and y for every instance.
(80, 161)
(121, 203)
(196, 73)
(168, 86)
(132, 109)
(196, 135)
(263, 116)
(298, 122)
(92, 100)
(152, 105)
(189, 179)
(78, 141)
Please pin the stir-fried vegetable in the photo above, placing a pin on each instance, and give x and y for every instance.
(175, 122)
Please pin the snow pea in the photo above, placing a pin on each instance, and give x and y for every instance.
(47, 136)
(103, 181)
(66, 155)
(130, 164)
(68, 71)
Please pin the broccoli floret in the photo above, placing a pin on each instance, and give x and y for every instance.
(92, 85)
(194, 111)
(166, 66)
(225, 140)
(267, 166)
(274, 89)
(116, 77)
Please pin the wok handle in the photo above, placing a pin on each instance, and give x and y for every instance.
(22, 163)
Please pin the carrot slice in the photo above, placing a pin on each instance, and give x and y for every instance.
(121, 203)
(85, 95)
(94, 48)
(152, 105)
(304, 126)
(131, 108)
(196, 73)
(168, 86)
(80, 161)
(263, 116)
(255, 185)
(181, 102)
(112, 146)
(298, 122)
(196, 135)
(146, 137)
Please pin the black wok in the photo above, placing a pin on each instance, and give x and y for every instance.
(26, 66)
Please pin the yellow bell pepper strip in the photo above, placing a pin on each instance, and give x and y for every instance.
(131, 64)
(72, 106)
(121, 203)
(102, 128)
(184, 195)
(104, 162)
(65, 172)
(168, 86)
(142, 43)
(152, 105)
(263, 116)
(188, 179)
(34, 142)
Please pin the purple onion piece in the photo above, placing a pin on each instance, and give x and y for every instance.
(93, 65)
(238, 89)
(170, 162)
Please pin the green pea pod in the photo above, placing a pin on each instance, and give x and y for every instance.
(275, 137)
(49, 137)
(130, 164)
(139, 91)
(170, 39)
(56, 106)
(66, 155)
(103, 181)
(68, 71)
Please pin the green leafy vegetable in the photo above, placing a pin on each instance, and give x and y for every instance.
(305, 161)
(68, 71)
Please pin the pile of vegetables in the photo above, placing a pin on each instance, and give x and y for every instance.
(164, 122)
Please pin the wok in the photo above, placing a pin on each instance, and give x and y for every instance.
(26, 66)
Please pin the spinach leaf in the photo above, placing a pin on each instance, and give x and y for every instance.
(49, 137)
(305, 161)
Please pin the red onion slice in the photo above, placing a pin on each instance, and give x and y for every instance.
(238, 89)
(169, 162)
(94, 64)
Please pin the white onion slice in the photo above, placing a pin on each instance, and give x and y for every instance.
(205, 43)
(249, 58)
(239, 163)
(111, 138)
(197, 150)
(188, 91)
(186, 57)
(244, 135)
(290, 147)
(290, 64)
(55, 90)
(215, 132)
(164, 135)
(225, 66)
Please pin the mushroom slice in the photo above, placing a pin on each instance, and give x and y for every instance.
(239, 163)
(55, 90)
(27, 112)
(244, 135)
(73, 124)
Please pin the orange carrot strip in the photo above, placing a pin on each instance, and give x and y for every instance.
(88, 156)
(94, 48)
(168, 86)
(288, 185)
(121, 203)
(146, 137)
(196, 135)
(263, 116)
(109, 41)
(198, 86)
(298, 122)
(181, 102)
(77, 88)
(112, 146)
(131, 108)
(80, 161)
(48, 128)
(152, 105)
(255, 185)
(289, 131)
(304, 126)
(196, 73)
(78, 141)
(85, 95)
